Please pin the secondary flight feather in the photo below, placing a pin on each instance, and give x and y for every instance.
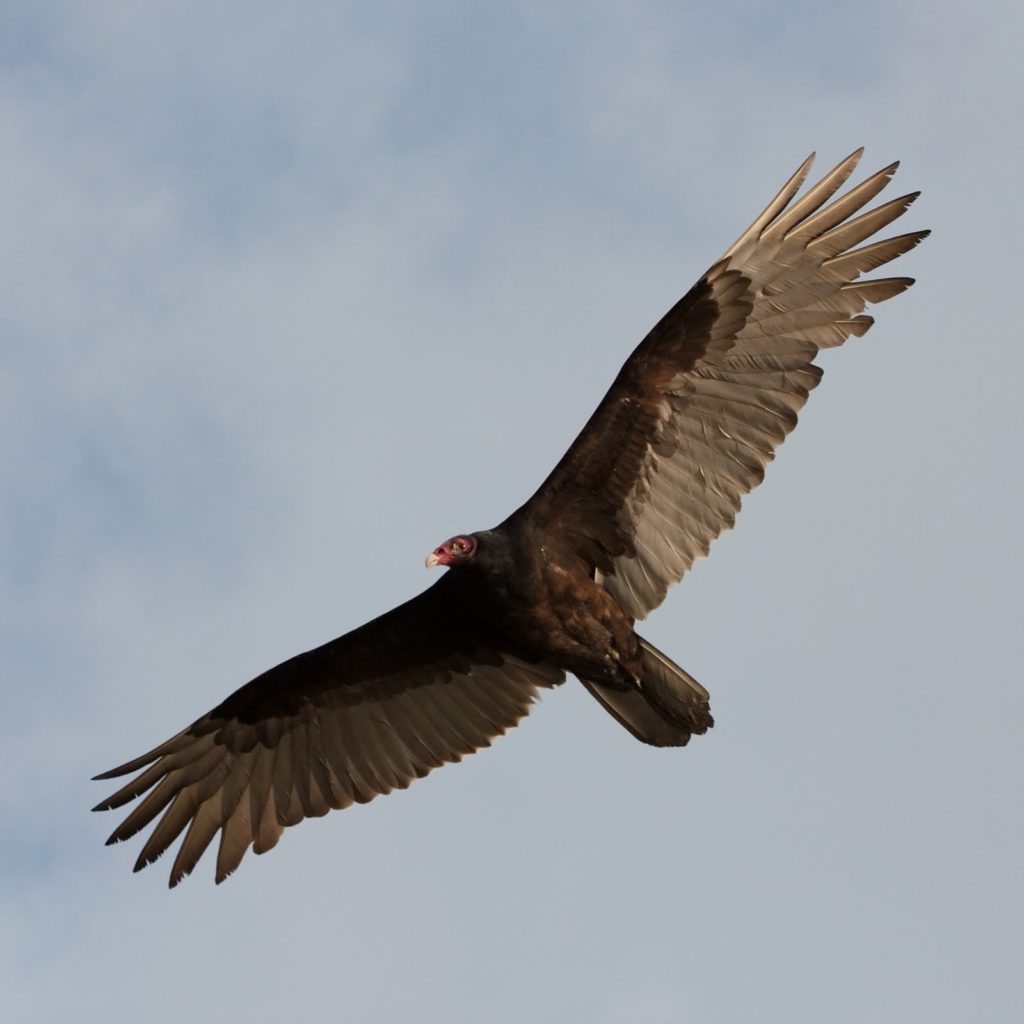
(657, 473)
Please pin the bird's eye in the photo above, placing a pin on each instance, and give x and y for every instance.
(459, 546)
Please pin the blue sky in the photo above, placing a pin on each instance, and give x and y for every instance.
(288, 297)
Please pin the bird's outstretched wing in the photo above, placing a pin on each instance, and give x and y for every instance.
(699, 408)
(422, 685)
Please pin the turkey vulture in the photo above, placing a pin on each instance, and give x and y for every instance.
(657, 473)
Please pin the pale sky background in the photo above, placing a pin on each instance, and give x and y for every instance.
(289, 295)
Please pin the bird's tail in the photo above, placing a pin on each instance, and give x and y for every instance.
(668, 707)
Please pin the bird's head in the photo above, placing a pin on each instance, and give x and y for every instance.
(456, 550)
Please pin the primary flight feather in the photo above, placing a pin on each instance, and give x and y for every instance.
(658, 472)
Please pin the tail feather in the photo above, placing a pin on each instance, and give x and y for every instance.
(666, 710)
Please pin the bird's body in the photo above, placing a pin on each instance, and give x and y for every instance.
(547, 600)
(657, 473)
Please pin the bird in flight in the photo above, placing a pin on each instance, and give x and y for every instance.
(657, 473)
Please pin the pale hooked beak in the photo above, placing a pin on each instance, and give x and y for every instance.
(433, 560)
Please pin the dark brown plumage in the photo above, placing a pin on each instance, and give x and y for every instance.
(657, 473)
